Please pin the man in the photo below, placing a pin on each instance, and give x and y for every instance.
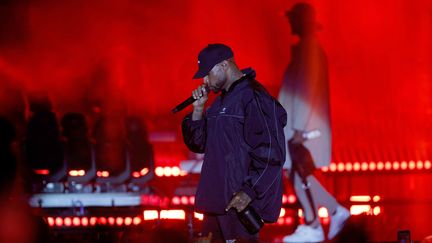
(305, 96)
(241, 134)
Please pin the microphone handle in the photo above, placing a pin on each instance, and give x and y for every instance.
(183, 105)
(187, 102)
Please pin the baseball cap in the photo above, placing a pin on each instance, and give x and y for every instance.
(210, 56)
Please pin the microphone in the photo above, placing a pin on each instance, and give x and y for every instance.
(187, 102)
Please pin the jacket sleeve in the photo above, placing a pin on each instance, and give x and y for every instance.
(263, 130)
(194, 133)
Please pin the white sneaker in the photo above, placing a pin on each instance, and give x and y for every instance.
(337, 221)
(304, 234)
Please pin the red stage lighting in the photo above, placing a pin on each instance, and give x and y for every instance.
(333, 167)
(411, 165)
(396, 165)
(67, 221)
(59, 221)
(84, 221)
(137, 221)
(380, 165)
(93, 221)
(356, 166)
(128, 221)
(119, 221)
(364, 166)
(111, 220)
(348, 166)
(403, 165)
(41, 172)
(419, 165)
(51, 221)
(76, 221)
(427, 164)
(341, 167)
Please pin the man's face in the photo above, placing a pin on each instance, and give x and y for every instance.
(216, 78)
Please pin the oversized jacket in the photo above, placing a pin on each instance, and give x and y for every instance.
(305, 97)
(242, 137)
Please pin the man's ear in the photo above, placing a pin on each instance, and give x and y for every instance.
(224, 64)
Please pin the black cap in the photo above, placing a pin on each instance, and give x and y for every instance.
(210, 56)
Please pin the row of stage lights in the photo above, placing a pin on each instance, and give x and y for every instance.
(190, 200)
(92, 221)
(378, 166)
(361, 204)
(175, 171)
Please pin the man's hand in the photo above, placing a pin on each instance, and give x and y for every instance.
(239, 201)
(201, 96)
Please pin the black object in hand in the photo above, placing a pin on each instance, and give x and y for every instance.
(250, 219)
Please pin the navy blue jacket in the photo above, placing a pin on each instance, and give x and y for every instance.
(242, 137)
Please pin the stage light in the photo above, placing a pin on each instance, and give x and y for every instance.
(59, 221)
(359, 209)
(192, 200)
(159, 171)
(380, 165)
(77, 173)
(167, 171)
(84, 221)
(396, 165)
(128, 221)
(67, 221)
(119, 221)
(289, 220)
(388, 165)
(41, 172)
(102, 173)
(324, 169)
(172, 214)
(282, 212)
(175, 171)
(102, 221)
(419, 165)
(198, 216)
(348, 166)
(150, 215)
(280, 221)
(136, 174)
(356, 166)
(111, 220)
(372, 166)
(411, 165)
(292, 199)
(427, 164)
(76, 221)
(175, 200)
(333, 167)
(403, 165)
(364, 166)
(284, 199)
(184, 200)
(300, 213)
(376, 210)
(341, 167)
(144, 171)
(137, 221)
(322, 212)
(376, 198)
(360, 198)
(93, 221)
(50, 221)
